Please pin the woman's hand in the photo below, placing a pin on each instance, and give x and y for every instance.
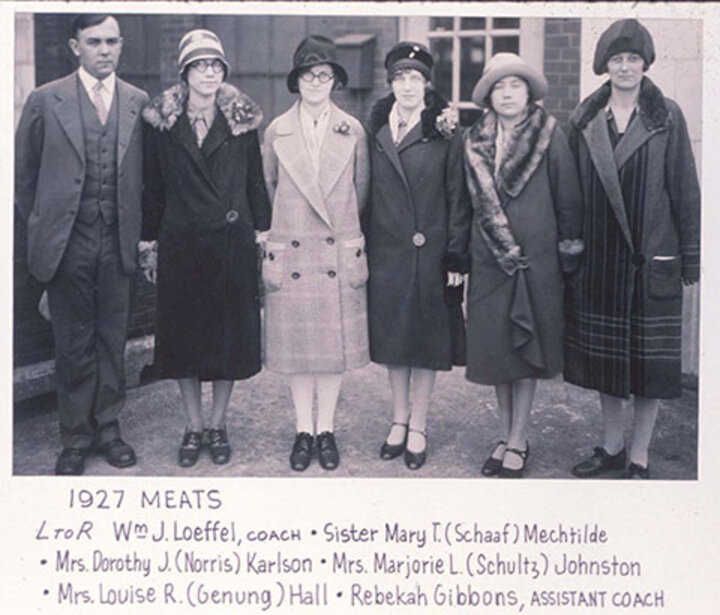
(454, 279)
(147, 259)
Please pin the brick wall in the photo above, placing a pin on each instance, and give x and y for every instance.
(562, 66)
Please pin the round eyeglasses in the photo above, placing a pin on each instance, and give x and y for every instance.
(323, 77)
(202, 65)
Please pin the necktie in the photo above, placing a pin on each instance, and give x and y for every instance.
(201, 128)
(402, 131)
(99, 102)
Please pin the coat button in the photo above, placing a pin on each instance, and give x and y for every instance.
(637, 259)
(271, 256)
(295, 275)
(295, 243)
(330, 241)
(358, 254)
(331, 274)
(232, 217)
(418, 240)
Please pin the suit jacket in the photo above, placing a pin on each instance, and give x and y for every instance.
(50, 171)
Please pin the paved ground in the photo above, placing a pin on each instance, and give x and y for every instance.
(462, 425)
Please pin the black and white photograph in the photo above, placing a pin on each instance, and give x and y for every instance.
(311, 280)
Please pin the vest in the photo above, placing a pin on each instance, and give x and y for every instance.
(99, 192)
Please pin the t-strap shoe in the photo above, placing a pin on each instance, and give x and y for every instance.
(492, 464)
(506, 472)
(599, 463)
(416, 460)
(391, 451)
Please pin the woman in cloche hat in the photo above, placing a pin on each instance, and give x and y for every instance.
(417, 222)
(314, 267)
(204, 199)
(525, 224)
(642, 229)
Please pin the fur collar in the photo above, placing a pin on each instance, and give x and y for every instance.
(652, 108)
(525, 149)
(434, 105)
(241, 113)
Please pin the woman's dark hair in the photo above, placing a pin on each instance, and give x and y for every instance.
(86, 20)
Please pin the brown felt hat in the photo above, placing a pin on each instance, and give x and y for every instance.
(623, 35)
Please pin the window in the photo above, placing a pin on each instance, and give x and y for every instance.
(461, 46)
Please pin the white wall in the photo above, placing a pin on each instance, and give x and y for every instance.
(24, 60)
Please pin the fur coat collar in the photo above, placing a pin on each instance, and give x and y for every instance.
(652, 109)
(434, 106)
(240, 111)
(524, 151)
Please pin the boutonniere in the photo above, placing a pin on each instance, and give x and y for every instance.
(342, 128)
(241, 113)
(447, 122)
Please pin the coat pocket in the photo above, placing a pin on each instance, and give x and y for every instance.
(665, 277)
(273, 267)
(356, 267)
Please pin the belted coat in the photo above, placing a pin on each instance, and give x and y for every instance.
(642, 236)
(418, 225)
(203, 205)
(315, 265)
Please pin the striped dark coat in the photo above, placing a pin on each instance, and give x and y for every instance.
(641, 229)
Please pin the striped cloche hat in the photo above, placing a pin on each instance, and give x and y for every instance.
(200, 44)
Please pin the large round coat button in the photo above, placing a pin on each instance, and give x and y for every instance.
(295, 275)
(295, 243)
(330, 241)
(232, 217)
(637, 259)
(418, 240)
(331, 274)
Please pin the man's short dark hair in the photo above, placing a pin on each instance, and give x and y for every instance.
(86, 20)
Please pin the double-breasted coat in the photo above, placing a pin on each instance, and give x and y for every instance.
(315, 264)
(642, 229)
(515, 319)
(417, 232)
(203, 205)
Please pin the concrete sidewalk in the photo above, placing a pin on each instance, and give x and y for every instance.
(462, 426)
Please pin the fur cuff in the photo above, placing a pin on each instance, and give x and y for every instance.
(456, 263)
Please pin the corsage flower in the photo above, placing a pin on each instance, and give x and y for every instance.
(241, 113)
(447, 122)
(342, 128)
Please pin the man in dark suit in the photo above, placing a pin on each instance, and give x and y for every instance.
(78, 182)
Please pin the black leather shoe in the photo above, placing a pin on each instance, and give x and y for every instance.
(189, 450)
(218, 445)
(600, 462)
(301, 451)
(506, 472)
(71, 462)
(413, 460)
(635, 470)
(118, 453)
(328, 454)
(492, 465)
(391, 451)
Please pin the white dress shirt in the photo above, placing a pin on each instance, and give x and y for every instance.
(108, 90)
(394, 120)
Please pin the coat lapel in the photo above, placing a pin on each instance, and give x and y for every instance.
(336, 152)
(185, 136)
(634, 138)
(384, 141)
(219, 133)
(292, 154)
(411, 138)
(67, 111)
(596, 132)
(128, 113)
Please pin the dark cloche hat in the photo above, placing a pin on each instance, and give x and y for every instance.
(406, 55)
(623, 35)
(312, 51)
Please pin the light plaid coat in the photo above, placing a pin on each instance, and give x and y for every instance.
(314, 264)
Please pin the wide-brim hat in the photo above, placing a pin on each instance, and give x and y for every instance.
(623, 35)
(503, 65)
(200, 45)
(312, 51)
(408, 55)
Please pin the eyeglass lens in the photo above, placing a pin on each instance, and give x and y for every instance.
(310, 76)
(203, 65)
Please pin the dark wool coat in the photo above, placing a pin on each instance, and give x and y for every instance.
(515, 322)
(203, 206)
(315, 265)
(417, 231)
(642, 229)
